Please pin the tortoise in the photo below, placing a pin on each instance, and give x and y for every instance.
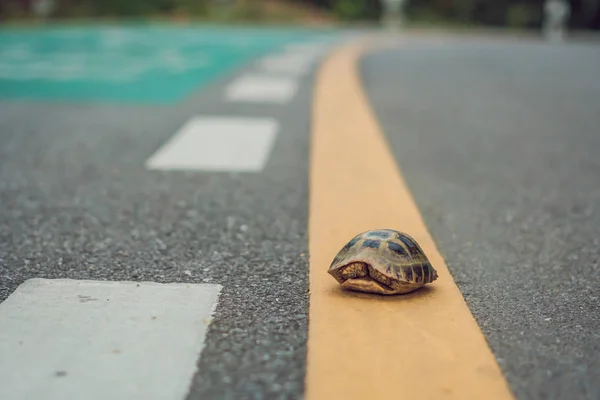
(383, 261)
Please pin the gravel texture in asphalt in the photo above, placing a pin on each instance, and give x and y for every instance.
(498, 141)
(76, 201)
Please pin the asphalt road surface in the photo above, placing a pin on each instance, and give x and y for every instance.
(497, 140)
(78, 202)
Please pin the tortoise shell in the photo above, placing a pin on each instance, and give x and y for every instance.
(382, 261)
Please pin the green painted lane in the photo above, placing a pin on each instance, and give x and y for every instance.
(147, 64)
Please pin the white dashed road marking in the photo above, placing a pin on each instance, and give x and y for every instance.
(218, 144)
(255, 88)
(308, 48)
(68, 339)
(295, 64)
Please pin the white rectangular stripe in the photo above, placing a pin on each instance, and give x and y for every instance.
(255, 88)
(218, 144)
(308, 48)
(287, 63)
(68, 339)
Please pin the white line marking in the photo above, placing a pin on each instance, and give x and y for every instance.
(218, 144)
(262, 89)
(308, 48)
(68, 339)
(288, 63)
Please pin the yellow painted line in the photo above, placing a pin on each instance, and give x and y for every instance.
(424, 345)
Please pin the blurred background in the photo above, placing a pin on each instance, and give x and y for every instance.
(498, 140)
(513, 14)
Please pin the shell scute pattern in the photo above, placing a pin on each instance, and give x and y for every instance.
(398, 249)
(373, 244)
(382, 261)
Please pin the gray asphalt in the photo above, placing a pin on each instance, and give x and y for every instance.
(77, 202)
(498, 141)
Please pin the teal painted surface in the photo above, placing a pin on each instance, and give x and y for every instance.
(150, 64)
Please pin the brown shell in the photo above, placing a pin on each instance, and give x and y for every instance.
(383, 261)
